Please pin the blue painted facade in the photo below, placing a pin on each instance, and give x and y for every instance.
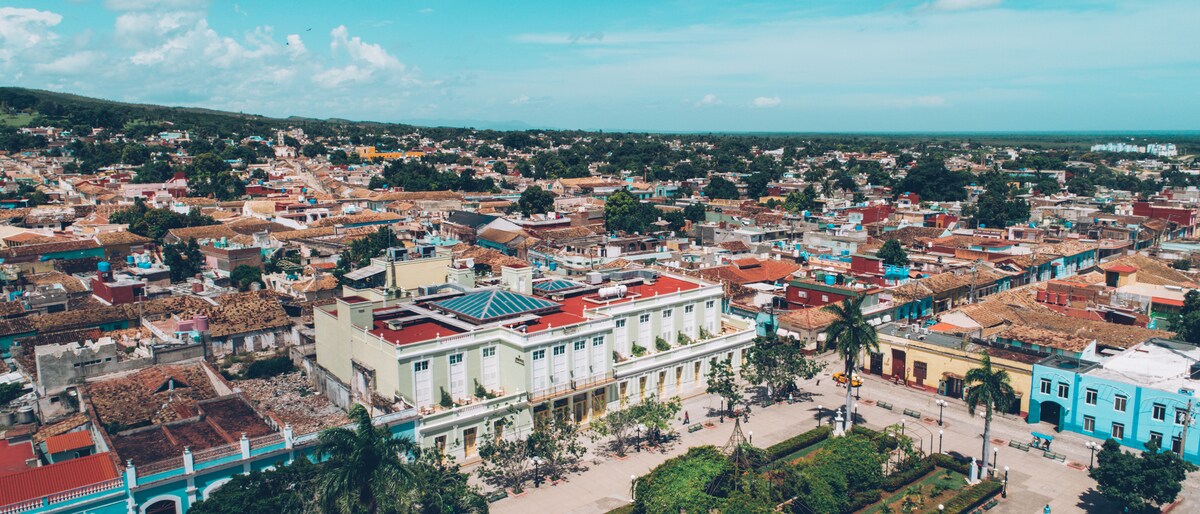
(1095, 406)
(134, 493)
(74, 254)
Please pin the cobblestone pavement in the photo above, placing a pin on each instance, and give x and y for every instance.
(1034, 481)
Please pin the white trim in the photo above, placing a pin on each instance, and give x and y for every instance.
(208, 490)
(174, 499)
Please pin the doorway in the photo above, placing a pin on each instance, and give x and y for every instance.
(1051, 412)
(876, 366)
(898, 365)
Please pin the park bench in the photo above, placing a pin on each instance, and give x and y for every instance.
(912, 413)
(885, 405)
(497, 495)
(1019, 445)
(695, 428)
(1056, 456)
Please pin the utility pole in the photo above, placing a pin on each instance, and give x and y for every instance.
(1187, 421)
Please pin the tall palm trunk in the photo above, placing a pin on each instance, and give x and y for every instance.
(987, 437)
(849, 395)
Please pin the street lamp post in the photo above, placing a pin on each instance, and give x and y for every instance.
(941, 507)
(1004, 491)
(995, 459)
(639, 438)
(751, 433)
(1092, 447)
(941, 410)
(940, 434)
(820, 414)
(537, 472)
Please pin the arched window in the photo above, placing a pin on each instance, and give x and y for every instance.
(162, 507)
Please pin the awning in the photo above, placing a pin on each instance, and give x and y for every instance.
(1040, 435)
(366, 272)
(1167, 301)
(947, 374)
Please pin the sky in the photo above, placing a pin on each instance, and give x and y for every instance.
(688, 66)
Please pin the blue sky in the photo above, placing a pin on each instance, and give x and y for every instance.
(926, 65)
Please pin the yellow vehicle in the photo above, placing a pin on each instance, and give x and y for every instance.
(840, 377)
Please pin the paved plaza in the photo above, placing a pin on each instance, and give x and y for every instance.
(1034, 481)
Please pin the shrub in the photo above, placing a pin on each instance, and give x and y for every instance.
(682, 339)
(859, 501)
(789, 446)
(948, 462)
(268, 368)
(638, 350)
(446, 402)
(682, 483)
(900, 479)
(973, 497)
(661, 344)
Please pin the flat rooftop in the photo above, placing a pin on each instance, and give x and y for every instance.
(1157, 363)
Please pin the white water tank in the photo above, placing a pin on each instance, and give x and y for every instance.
(613, 291)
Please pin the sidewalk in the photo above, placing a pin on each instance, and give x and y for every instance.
(1034, 480)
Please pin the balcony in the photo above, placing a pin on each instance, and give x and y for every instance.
(441, 415)
(571, 386)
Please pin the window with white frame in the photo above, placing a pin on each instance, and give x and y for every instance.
(667, 313)
(1119, 403)
(644, 318)
(1089, 424)
(1045, 386)
(1089, 397)
(1156, 438)
(580, 345)
(688, 309)
(708, 304)
(1064, 390)
(539, 354)
(1158, 412)
(598, 341)
(1180, 416)
(1118, 431)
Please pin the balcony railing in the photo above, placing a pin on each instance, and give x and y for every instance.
(59, 497)
(570, 386)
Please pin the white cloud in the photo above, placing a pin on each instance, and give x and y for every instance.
(295, 44)
(766, 102)
(24, 29)
(709, 99)
(72, 64)
(427, 10)
(960, 5)
(367, 53)
(523, 99)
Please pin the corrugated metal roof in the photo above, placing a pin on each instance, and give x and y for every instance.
(554, 285)
(495, 304)
(362, 273)
(56, 478)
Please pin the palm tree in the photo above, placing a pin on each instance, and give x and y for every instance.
(362, 467)
(992, 389)
(851, 335)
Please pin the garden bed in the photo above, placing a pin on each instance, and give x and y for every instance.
(946, 483)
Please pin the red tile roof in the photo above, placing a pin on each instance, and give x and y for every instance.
(56, 478)
(69, 441)
(13, 457)
(1122, 268)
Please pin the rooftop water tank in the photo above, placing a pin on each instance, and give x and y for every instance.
(200, 322)
(103, 266)
(830, 279)
(129, 259)
(613, 291)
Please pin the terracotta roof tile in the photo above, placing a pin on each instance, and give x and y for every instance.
(55, 478)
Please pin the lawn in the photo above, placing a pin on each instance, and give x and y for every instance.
(804, 452)
(950, 483)
(15, 120)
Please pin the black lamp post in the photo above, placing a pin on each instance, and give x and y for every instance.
(820, 414)
(941, 410)
(537, 472)
(1093, 447)
(639, 438)
(940, 434)
(1004, 490)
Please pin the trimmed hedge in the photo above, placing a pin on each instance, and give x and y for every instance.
(789, 446)
(860, 501)
(895, 481)
(946, 461)
(886, 443)
(973, 497)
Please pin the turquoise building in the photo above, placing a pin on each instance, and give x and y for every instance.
(173, 486)
(1146, 393)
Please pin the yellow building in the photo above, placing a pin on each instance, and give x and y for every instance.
(938, 362)
(369, 153)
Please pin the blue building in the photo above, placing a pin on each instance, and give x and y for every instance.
(173, 486)
(1146, 393)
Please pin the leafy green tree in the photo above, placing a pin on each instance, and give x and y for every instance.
(616, 424)
(535, 200)
(362, 250)
(723, 383)
(184, 259)
(440, 488)
(154, 223)
(850, 335)
(504, 462)
(364, 468)
(756, 185)
(777, 363)
(855, 457)
(8, 392)
(893, 254)
(1139, 483)
(500, 168)
(998, 206)
(721, 188)
(991, 388)
(1186, 324)
(312, 150)
(624, 213)
(289, 488)
(694, 213)
(556, 444)
(657, 415)
(932, 181)
(797, 202)
(244, 276)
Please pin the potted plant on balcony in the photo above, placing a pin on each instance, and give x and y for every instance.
(661, 344)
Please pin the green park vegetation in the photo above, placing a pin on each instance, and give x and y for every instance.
(862, 472)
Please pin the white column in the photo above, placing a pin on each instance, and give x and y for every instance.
(245, 447)
(189, 463)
